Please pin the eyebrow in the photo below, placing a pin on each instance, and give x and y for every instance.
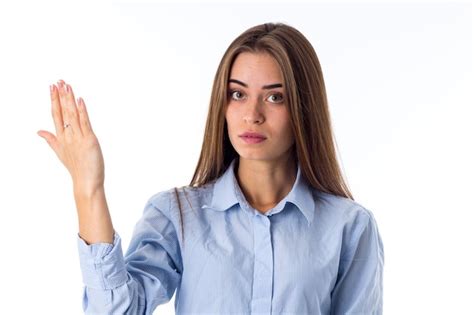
(269, 86)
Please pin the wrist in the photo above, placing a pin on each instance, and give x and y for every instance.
(81, 191)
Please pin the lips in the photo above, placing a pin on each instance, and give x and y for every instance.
(252, 135)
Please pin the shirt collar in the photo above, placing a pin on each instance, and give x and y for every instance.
(227, 193)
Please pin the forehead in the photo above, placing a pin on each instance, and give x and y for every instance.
(254, 68)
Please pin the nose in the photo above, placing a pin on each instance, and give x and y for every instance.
(253, 113)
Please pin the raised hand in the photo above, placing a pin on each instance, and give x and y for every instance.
(75, 143)
(77, 147)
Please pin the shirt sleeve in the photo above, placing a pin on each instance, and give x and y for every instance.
(144, 278)
(359, 285)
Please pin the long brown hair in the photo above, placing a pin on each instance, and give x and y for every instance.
(306, 99)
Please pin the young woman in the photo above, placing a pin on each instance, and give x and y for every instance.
(267, 224)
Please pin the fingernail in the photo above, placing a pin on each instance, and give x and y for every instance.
(51, 89)
(68, 88)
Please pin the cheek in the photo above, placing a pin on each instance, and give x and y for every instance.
(286, 131)
(230, 126)
(283, 124)
(230, 118)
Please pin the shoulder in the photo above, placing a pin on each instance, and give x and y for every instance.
(354, 223)
(342, 210)
(183, 197)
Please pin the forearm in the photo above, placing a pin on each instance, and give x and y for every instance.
(95, 223)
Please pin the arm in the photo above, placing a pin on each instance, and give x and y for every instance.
(359, 285)
(95, 223)
(144, 278)
(78, 148)
(149, 273)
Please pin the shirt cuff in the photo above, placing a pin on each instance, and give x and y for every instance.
(102, 264)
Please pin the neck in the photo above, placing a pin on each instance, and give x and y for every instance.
(266, 183)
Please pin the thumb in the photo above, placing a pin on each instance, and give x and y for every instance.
(50, 139)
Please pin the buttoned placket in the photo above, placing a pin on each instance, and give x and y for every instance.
(262, 286)
(263, 265)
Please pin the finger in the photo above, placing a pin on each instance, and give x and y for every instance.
(84, 116)
(71, 100)
(69, 110)
(56, 110)
(64, 109)
(50, 139)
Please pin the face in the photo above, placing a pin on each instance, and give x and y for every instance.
(257, 103)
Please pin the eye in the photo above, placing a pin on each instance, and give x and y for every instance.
(233, 93)
(279, 98)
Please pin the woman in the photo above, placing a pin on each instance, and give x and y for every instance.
(267, 224)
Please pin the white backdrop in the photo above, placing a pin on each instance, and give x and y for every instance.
(399, 80)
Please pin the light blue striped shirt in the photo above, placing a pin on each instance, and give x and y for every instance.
(313, 253)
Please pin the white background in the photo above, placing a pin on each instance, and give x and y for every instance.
(399, 80)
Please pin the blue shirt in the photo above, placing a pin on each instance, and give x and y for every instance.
(313, 253)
